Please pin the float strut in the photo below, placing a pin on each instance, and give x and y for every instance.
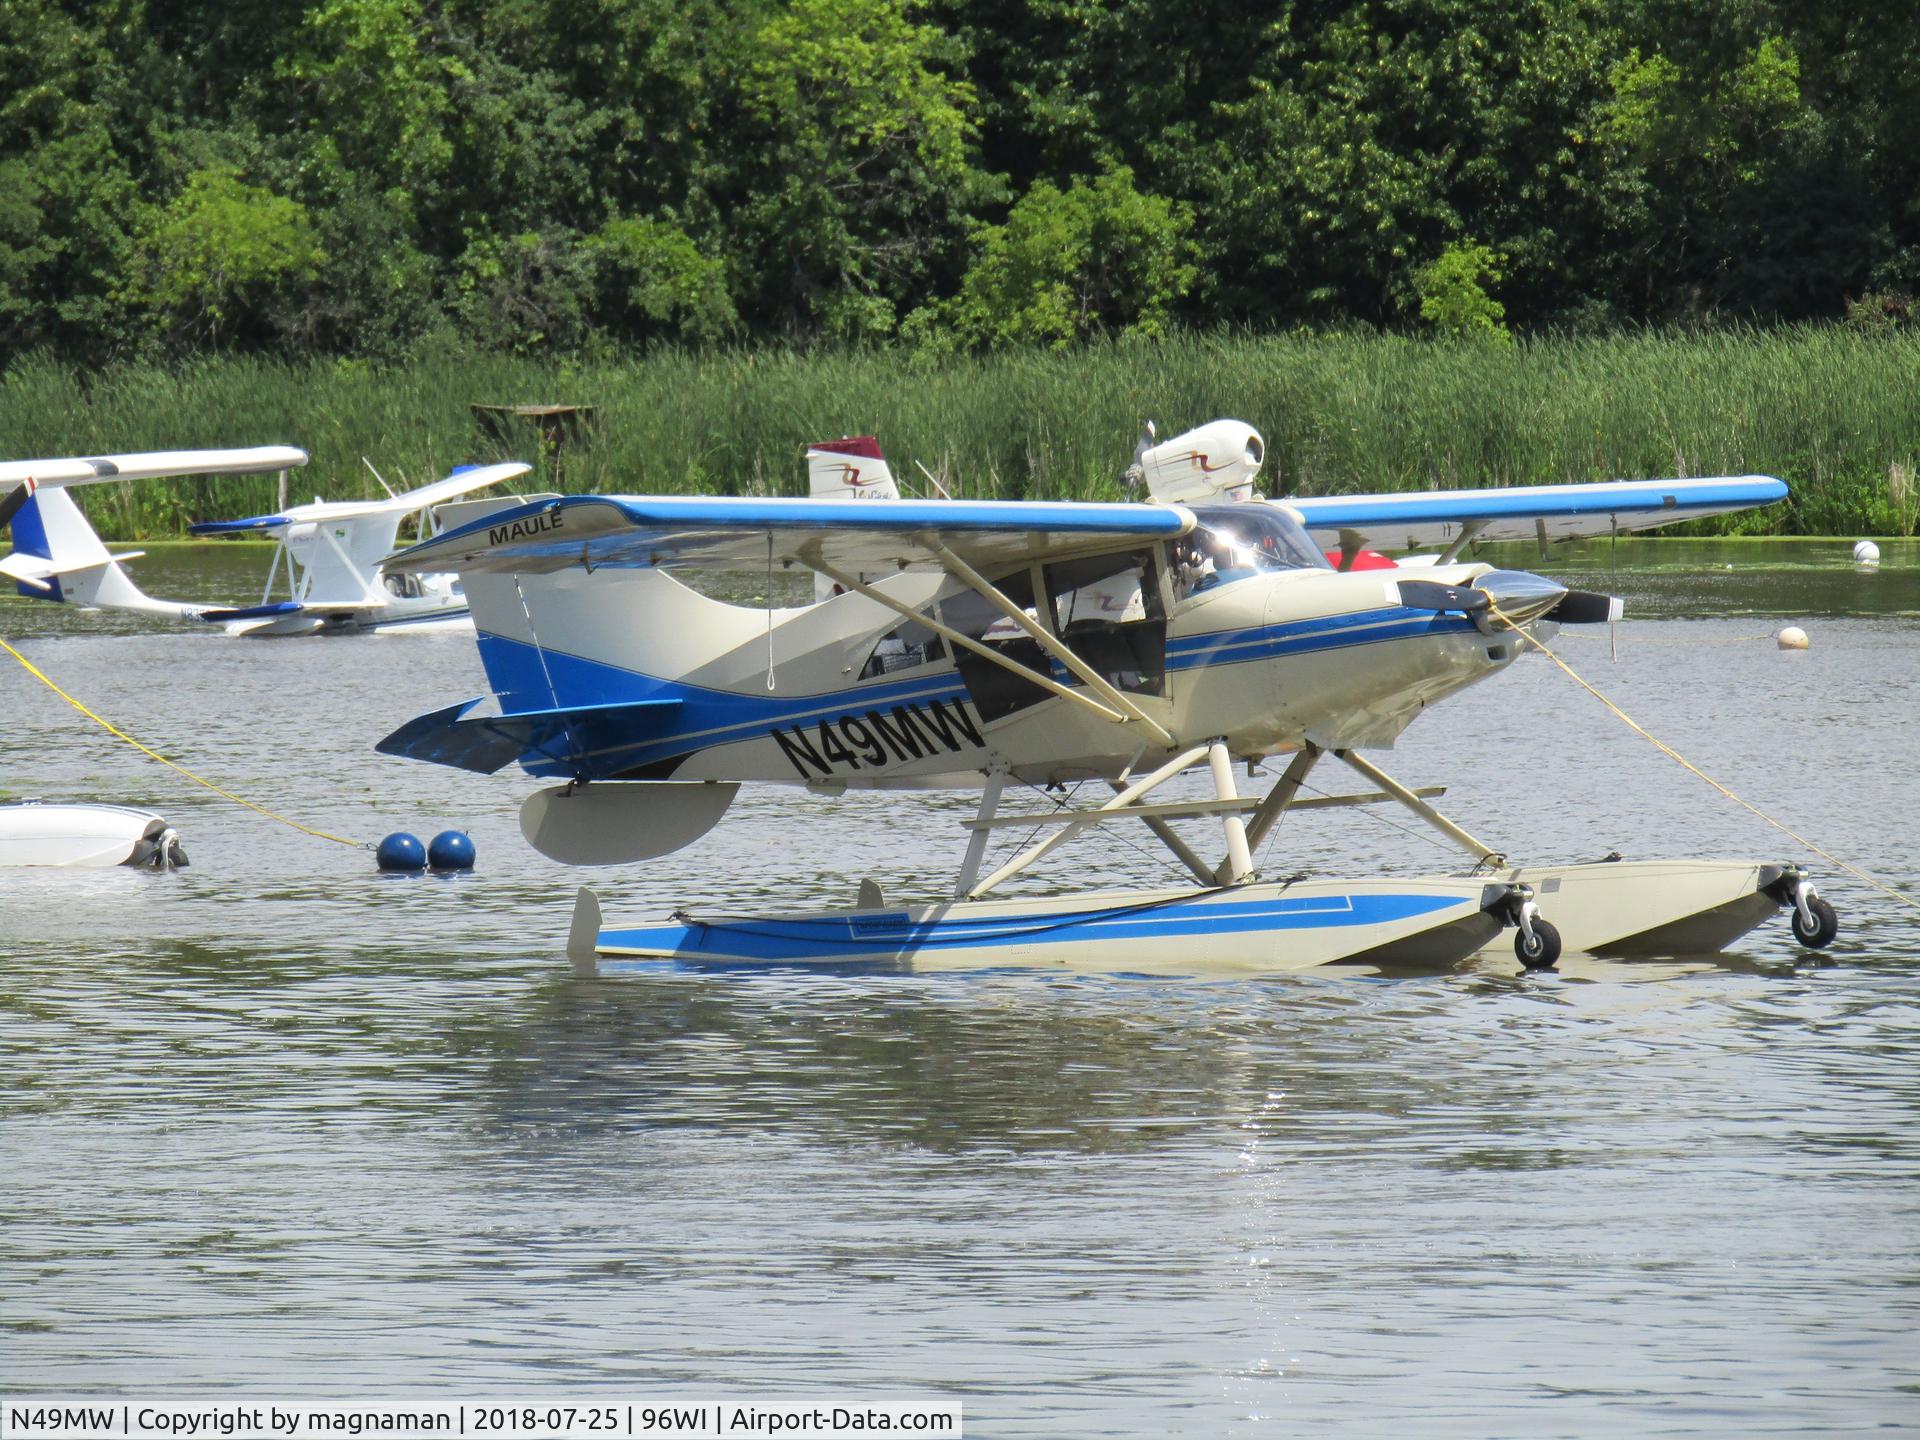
(1239, 863)
(977, 842)
(1281, 796)
(1092, 817)
(1420, 807)
(1202, 871)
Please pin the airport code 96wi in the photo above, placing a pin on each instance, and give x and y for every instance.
(484, 1420)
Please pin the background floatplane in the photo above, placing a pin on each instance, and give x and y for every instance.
(996, 645)
(326, 563)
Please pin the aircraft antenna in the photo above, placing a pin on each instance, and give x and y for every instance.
(381, 478)
(933, 481)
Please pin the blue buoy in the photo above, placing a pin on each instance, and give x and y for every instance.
(401, 851)
(450, 850)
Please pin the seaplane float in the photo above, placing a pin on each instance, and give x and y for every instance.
(327, 561)
(999, 646)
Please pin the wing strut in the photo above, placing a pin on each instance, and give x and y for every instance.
(1460, 542)
(1050, 642)
(940, 627)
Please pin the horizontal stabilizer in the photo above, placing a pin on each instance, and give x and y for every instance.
(269, 611)
(238, 527)
(586, 738)
(27, 571)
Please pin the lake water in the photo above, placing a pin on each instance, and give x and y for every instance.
(276, 1126)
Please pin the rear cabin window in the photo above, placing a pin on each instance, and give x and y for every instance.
(995, 690)
(907, 646)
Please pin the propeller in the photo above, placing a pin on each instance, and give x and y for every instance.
(1432, 595)
(1586, 607)
(1135, 475)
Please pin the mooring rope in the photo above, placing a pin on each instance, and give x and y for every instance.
(1686, 764)
(150, 752)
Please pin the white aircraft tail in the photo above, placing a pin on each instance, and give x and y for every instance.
(57, 556)
(849, 469)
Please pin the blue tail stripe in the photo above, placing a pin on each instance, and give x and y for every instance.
(30, 538)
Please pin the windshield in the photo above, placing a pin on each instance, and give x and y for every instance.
(1233, 542)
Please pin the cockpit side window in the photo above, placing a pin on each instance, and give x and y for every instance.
(1104, 589)
(1233, 542)
(1107, 609)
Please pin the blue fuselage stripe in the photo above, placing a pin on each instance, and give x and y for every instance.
(711, 718)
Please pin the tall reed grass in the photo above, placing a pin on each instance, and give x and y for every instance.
(1835, 413)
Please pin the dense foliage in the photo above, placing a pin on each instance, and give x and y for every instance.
(364, 177)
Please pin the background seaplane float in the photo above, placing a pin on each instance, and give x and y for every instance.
(988, 645)
(327, 560)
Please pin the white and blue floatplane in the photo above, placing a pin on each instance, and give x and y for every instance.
(326, 563)
(990, 646)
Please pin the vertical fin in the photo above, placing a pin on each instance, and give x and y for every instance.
(848, 469)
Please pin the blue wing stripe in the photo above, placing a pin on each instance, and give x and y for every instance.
(1623, 497)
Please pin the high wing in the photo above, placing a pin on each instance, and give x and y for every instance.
(73, 470)
(463, 481)
(20, 478)
(1527, 512)
(745, 533)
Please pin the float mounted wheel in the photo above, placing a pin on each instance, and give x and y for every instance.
(1539, 950)
(1825, 926)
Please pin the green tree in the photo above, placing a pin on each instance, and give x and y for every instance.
(657, 283)
(66, 190)
(1451, 294)
(1378, 131)
(1740, 195)
(371, 80)
(1095, 259)
(529, 292)
(856, 170)
(217, 263)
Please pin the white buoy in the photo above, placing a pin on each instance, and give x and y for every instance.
(1792, 638)
(1866, 554)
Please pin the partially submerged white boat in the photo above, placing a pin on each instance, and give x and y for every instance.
(87, 837)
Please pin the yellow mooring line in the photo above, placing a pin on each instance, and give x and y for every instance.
(146, 750)
(1681, 760)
